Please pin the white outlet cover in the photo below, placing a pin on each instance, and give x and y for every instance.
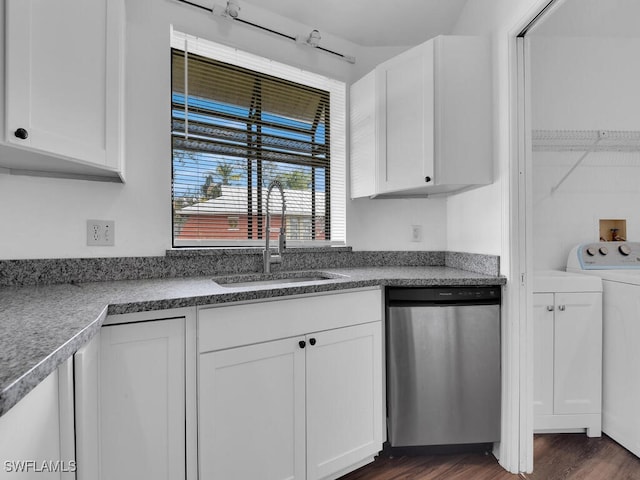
(101, 233)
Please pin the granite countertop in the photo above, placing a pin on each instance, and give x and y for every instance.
(42, 326)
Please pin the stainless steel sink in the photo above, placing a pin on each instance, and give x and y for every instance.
(278, 278)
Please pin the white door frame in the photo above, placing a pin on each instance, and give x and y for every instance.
(520, 234)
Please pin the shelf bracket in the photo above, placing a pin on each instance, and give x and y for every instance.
(601, 135)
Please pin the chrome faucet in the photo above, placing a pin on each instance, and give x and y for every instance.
(267, 256)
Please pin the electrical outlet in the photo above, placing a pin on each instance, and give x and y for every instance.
(101, 233)
(416, 233)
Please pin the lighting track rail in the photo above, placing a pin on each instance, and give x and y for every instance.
(312, 40)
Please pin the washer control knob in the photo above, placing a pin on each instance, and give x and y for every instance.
(624, 249)
(591, 251)
(603, 250)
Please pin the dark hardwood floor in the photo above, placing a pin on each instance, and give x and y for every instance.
(578, 457)
(556, 457)
(476, 466)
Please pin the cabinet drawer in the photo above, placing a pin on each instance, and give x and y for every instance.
(242, 324)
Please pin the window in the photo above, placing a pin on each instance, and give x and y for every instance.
(239, 122)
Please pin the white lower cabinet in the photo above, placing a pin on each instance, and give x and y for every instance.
(252, 414)
(36, 434)
(277, 389)
(293, 390)
(344, 398)
(142, 400)
(132, 396)
(568, 362)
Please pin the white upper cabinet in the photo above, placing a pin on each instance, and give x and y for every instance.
(421, 122)
(64, 87)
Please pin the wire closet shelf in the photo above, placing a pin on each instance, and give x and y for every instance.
(586, 141)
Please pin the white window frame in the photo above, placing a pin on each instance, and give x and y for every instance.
(338, 105)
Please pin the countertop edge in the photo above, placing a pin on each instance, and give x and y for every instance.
(18, 389)
(23, 384)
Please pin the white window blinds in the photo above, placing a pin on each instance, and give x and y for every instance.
(239, 122)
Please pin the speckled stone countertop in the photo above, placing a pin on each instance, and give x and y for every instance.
(43, 325)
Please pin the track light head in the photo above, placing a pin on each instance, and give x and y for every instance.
(313, 39)
(232, 10)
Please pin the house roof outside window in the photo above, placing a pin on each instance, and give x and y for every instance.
(233, 201)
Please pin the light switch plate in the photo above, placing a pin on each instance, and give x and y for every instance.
(416, 233)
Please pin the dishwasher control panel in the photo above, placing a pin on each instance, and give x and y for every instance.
(466, 294)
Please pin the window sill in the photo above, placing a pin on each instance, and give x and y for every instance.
(246, 250)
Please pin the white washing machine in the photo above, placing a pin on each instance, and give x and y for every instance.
(618, 265)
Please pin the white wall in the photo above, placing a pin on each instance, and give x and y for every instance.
(385, 224)
(479, 221)
(583, 84)
(46, 218)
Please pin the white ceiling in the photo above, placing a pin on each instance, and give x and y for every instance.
(370, 23)
(377, 23)
(592, 18)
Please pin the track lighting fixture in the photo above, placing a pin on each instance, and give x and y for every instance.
(232, 10)
(313, 39)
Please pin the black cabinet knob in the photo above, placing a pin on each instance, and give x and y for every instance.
(302, 343)
(312, 341)
(21, 133)
(427, 179)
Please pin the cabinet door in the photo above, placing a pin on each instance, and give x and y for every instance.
(405, 89)
(363, 131)
(543, 310)
(344, 398)
(86, 371)
(578, 353)
(463, 121)
(251, 417)
(32, 434)
(142, 404)
(64, 78)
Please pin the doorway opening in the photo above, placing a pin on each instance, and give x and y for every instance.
(579, 139)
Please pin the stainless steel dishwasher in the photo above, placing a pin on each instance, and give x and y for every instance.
(443, 365)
